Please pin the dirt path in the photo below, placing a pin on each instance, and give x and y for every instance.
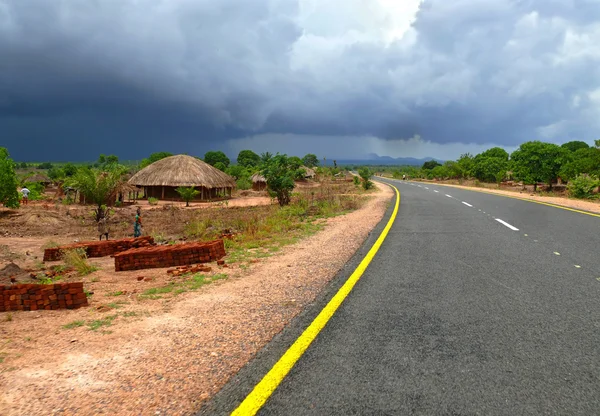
(178, 352)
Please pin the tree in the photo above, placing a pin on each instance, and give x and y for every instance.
(248, 159)
(575, 145)
(187, 194)
(98, 187)
(466, 164)
(237, 171)
(213, 157)
(537, 162)
(23, 165)
(221, 166)
(295, 162)
(365, 174)
(310, 160)
(45, 165)
(69, 169)
(9, 196)
(430, 165)
(56, 174)
(265, 157)
(154, 157)
(280, 177)
(583, 160)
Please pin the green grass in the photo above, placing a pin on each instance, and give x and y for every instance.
(99, 323)
(117, 293)
(74, 324)
(194, 282)
(117, 305)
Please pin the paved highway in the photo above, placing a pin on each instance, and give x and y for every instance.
(475, 304)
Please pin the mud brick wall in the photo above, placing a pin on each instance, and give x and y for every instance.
(100, 248)
(168, 256)
(31, 297)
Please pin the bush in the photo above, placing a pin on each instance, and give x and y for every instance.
(77, 259)
(583, 186)
(152, 200)
(356, 180)
(244, 183)
(37, 190)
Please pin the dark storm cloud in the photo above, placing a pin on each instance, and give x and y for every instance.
(131, 77)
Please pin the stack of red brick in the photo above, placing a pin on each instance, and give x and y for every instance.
(100, 248)
(31, 297)
(167, 256)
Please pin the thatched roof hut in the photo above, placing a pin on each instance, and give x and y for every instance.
(259, 183)
(39, 178)
(161, 178)
(310, 173)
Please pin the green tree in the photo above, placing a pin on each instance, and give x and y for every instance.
(310, 160)
(265, 157)
(453, 169)
(583, 160)
(537, 161)
(69, 169)
(45, 165)
(575, 145)
(56, 174)
(430, 164)
(154, 157)
(98, 187)
(9, 197)
(237, 172)
(280, 177)
(466, 164)
(583, 186)
(213, 157)
(248, 159)
(366, 174)
(23, 165)
(187, 194)
(440, 172)
(221, 166)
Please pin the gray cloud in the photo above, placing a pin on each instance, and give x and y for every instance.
(131, 77)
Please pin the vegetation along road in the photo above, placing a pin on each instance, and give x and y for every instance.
(474, 304)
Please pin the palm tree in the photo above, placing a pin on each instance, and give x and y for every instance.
(98, 187)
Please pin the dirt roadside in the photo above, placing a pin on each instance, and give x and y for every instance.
(180, 351)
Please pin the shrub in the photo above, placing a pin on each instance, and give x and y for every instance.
(356, 180)
(244, 183)
(77, 259)
(152, 200)
(187, 194)
(583, 186)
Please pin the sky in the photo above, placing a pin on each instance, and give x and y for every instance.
(337, 78)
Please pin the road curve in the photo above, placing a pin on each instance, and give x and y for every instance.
(475, 304)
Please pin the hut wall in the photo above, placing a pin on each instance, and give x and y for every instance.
(259, 186)
(170, 194)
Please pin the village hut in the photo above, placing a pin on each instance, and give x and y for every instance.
(259, 183)
(39, 178)
(162, 178)
(309, 173)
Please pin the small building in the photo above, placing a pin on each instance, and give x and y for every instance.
(162, 178)
(310, 173)
(39, 178)
(259, 183)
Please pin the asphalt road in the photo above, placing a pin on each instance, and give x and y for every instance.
(475, 305)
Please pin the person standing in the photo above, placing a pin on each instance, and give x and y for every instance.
(103, 226)
(137, 225)
(25, 192)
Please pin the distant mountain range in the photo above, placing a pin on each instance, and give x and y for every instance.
(375, 159)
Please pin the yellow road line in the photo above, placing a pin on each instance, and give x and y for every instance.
(516, 197)
(265, 388)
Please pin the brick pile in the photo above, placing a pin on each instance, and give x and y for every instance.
(100, 248)
(168, 256)
(32, 297)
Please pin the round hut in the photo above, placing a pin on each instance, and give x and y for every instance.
(162, 178)
(259, 183)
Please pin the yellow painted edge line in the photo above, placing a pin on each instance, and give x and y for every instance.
(513, 197)
(265, 388)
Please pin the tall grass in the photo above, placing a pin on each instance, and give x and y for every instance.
(77, 259)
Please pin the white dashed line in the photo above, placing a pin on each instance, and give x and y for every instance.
(437, 192)
(426, 188)
(578, 266)
(449, 196)
(469, 205)
(507, 224)
(557, 253)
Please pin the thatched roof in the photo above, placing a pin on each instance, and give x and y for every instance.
(182, 170)
(310, 173)
(38, 177)
(257, 177)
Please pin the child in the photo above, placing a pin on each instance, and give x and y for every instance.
(25, 193)
(137, 225)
